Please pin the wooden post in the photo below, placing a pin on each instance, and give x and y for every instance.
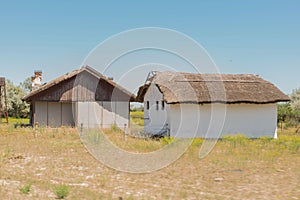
(36, 126)
(168, 130)
(5, 100)
(3, 95)
(125, 125)
(1, 110)
(81, 129)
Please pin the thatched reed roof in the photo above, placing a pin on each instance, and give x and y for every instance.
(213, 88)
(73, 74)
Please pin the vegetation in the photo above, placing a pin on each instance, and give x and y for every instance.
(135, 107)
(25, 189)
(16, 107)
(55, 160)
(59, 166)
(289, 113)
(61, 191)
(137, 118)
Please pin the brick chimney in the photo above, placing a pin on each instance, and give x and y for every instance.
(37, 80)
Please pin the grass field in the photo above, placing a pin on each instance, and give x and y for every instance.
(51, 163)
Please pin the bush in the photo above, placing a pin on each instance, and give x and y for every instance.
(61, 191)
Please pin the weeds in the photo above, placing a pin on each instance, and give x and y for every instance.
(94, 136)
(6, 154)
(235, 140)
(65, 158)
(61, 191)
(26, 188)
(197, 141)
(137, 118)
(167, 140)
(115, 128)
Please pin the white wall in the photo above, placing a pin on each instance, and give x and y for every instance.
(252, 120)
(155, 119)
(103, 114)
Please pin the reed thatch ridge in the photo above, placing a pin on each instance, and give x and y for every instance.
(178, 87)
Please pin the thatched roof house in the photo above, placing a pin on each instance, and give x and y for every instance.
(249, 101)
(81, 97)
(179, 87)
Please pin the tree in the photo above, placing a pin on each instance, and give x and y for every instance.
(16, 107)
(295, 99)
(295, 104)
(26, 85)
(285, 112)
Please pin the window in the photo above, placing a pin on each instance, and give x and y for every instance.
(156, 105)
(147, 105)
(162, 105)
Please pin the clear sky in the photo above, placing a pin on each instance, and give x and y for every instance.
(259, 37)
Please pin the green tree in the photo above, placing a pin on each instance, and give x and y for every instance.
(285, 113)
(295, 104)
(26, 85)
(16, 107)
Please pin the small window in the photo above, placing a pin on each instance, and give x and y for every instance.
(147, 105)
(157, 105)
(162, 105)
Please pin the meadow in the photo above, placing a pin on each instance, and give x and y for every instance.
(49, 163)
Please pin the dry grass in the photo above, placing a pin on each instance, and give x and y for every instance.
(245, 169)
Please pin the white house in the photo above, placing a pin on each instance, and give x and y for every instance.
(81, 97)
(206, 105)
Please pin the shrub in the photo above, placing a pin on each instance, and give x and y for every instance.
(61, 191)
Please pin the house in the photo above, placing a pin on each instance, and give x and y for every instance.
(206, 105)
(82, 97)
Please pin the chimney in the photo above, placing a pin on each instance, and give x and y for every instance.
(110, 78)
(36, 80)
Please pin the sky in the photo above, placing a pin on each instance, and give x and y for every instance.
(257, 37)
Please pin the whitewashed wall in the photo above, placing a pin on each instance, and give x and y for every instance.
(54, 114)
(154, 119)
(102, 114)
(252, 120)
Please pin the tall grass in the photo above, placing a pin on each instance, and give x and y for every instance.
(137, 118)
(13, 120)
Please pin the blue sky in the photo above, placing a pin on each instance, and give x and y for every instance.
(259, 37)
